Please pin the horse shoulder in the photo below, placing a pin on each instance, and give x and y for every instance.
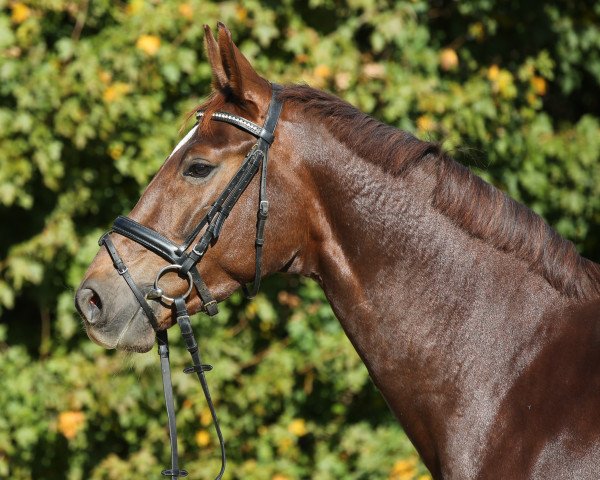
(548, 425)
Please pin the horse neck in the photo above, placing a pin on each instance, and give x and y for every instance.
(441, 319)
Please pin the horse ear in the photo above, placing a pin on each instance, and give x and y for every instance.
(214, 58)
(243, 83)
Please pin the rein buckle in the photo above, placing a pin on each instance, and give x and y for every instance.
(263, 209)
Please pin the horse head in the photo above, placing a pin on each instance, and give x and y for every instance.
(186, 187)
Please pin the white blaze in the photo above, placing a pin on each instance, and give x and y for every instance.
(184, 140)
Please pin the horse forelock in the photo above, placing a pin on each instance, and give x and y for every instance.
(216, 101)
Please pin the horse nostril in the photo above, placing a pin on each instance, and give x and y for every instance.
(89, 304)
(95, 301)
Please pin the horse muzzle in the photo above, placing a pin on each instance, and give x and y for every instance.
(113, 320)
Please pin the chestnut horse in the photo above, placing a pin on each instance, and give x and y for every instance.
(478, 323)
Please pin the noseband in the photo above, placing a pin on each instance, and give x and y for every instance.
(183, 261)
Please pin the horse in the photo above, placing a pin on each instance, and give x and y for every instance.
(478, 323)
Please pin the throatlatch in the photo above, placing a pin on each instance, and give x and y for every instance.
(184, 263)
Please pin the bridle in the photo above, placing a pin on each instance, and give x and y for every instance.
(184, 260)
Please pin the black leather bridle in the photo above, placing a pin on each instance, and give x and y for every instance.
(184, 260)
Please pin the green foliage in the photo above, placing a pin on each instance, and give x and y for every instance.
(92, 95)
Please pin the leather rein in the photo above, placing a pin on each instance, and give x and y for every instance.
(184, 262)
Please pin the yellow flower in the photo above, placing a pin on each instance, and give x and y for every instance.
(502, 81)
(241, 13)
(320, 74)
(105, 77)
(278, 476)
(251, 310)
(425, 123)
(448, 59)
(115, 91)
(539, 85)
(477, 30)
(134, 7)
(202, 438)
(298, 427)
(505, 84)
(284, 444)
(148, 44)
(404, 469)
(116, 151)
(322, 71)
(70, 423)
(186, 10)
(492, 73)
(205, 417)
(20, 12)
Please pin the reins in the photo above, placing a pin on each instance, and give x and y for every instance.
(184, 263)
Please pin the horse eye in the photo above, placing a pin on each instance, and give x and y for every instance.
(198, 170)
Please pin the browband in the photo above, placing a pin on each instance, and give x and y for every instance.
(240, 122)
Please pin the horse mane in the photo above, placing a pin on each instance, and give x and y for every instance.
(471, 203)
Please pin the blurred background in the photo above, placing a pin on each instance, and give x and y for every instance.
(92, 96)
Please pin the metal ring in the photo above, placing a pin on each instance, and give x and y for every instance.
(169, 268)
